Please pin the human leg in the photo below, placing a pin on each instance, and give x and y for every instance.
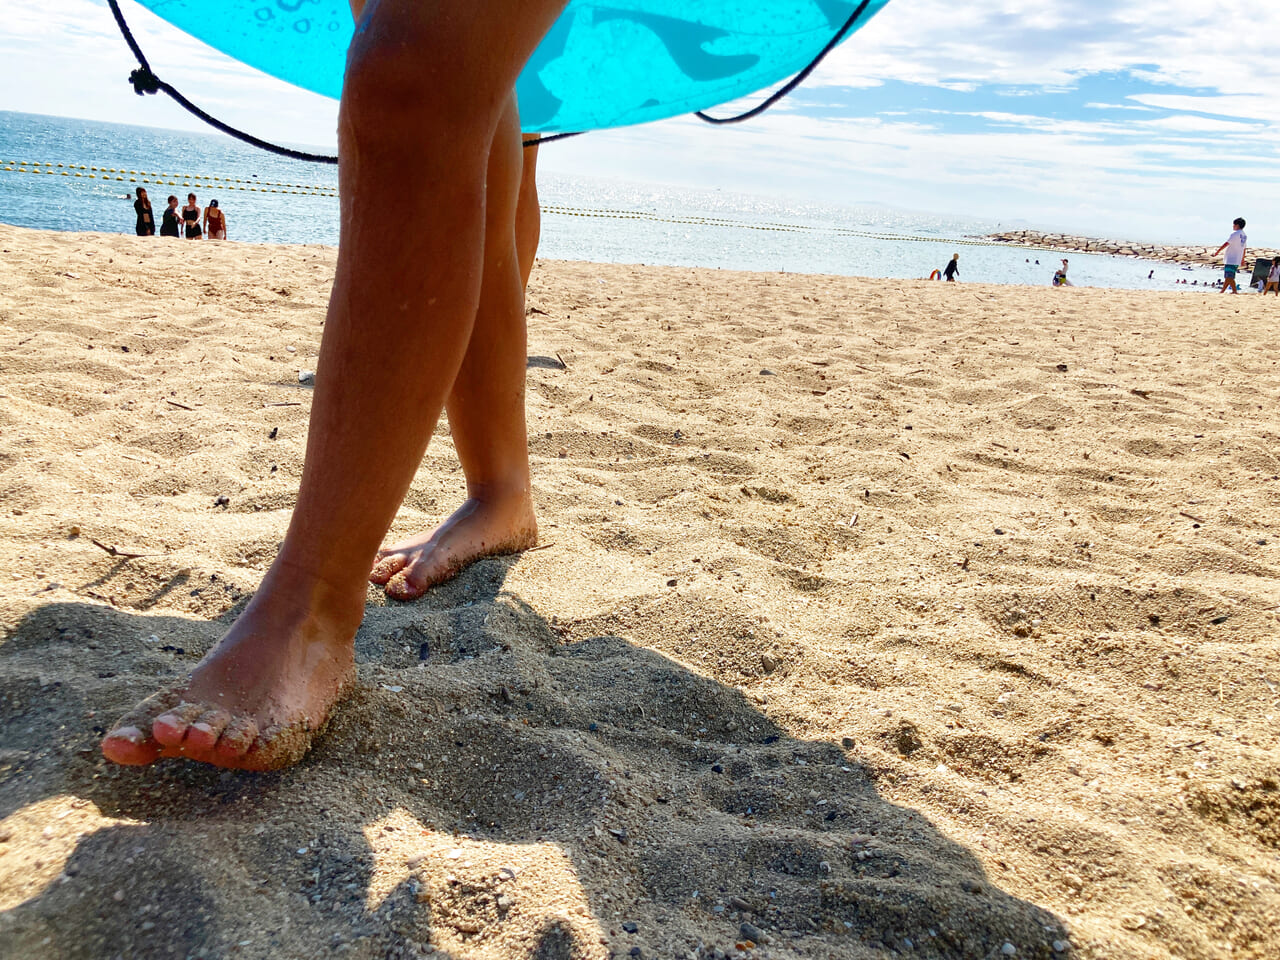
(528, 212)
(486, 414)
(486, 406)
(400, 317)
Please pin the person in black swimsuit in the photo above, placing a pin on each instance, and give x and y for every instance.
(191, 216)
(169, 219)
(146, 226)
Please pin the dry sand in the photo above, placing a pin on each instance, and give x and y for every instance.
(865, 613)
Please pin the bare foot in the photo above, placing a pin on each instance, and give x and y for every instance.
(257, 700)
(478, 528)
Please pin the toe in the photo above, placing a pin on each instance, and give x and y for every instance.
(171, 726)
(203, 735)
(238, 736)
(130, 740)
(130, 746)
(387, 567)
(409, 583)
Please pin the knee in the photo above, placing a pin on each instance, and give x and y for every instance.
(399, 94)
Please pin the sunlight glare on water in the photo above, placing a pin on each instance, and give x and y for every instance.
(271, 199)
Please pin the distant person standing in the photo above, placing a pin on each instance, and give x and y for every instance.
(1060, 275)
(215, 221)
(146, 225)
(1235, 246)
(1273, 277)
(169, 219)
(191, 217)
(953, 268)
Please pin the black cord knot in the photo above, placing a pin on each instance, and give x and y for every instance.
(144, 81)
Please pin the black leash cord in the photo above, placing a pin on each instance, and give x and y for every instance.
(144, 81)
(795, 81)
(551, 137)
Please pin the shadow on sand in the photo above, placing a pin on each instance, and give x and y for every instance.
(685, 819)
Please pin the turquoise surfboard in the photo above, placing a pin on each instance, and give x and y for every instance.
(601, 64)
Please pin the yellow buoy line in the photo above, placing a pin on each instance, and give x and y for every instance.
(203, 181)
(744, 225)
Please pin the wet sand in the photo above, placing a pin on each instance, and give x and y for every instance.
(869, 619)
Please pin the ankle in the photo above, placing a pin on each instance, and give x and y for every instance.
(515, 492)
(329, 594)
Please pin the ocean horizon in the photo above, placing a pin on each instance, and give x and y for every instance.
(71, 174)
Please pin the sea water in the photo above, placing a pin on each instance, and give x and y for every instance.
(63, 174)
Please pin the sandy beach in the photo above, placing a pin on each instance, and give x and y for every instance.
(869, 619)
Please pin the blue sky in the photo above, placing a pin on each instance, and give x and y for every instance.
(1153, 121)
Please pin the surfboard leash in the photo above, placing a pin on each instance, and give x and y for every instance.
(145, 81)
(795, 81)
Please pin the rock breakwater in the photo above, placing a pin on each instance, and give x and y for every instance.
(1169, 253)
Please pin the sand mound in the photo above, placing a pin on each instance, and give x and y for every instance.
(870, 619)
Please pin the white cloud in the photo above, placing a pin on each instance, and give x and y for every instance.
(1247, 106)
(1194, 123)
(1054, 175)
(1117, 106)
(1028, 42)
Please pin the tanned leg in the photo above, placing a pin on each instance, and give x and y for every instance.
(486, 410)
(528, 212)
(400, 317)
